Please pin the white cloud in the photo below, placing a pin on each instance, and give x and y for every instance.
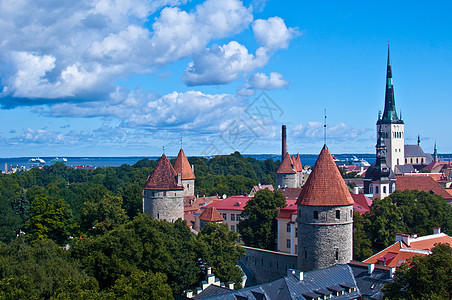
(273, 33)
(260, 81)
(340, 131)
(223, 64)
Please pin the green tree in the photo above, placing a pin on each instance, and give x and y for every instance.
(142, 285)
(362, 245)
(99, 217)
(50, 218)
(218, 249)
(10, 222)
(424, 277)
(258, 225)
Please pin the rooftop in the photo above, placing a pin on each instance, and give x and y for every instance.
(421, 183)
(182, 166)
(163, 177)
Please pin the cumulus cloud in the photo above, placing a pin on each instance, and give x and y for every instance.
(260, 81)
(273, 33)
(223, 64)
(76, 51)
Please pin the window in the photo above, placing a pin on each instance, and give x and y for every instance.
(351, 213)
(338, 214)
(296, 249)
(288, 243)
(316, 215)
(371, 188)
(305, 254)
(337, 254)
(188, 185)
(232, 217)
(288, 227)
(158, 216)
(406, 160)
(398, 161)
(237, 217)
(224, 216)
(296, 232)
(164, 194)
(376, 189)
(232, 228)
(384, 189)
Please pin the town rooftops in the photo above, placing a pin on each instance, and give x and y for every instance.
(362, 203)
(286, 166)
(406, 247)
(289, 210)
(164, 177)
(291, 193)
(414, 151)
(231, 203)
(211, 214)
(421, 183)
(182, 166)
(325, 186)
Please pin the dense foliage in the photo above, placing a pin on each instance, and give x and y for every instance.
(410, 212)
(424, 277)
(258, 224)
(114, 250)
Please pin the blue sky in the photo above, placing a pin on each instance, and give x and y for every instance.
(127, 78)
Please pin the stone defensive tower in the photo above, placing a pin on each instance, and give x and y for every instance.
(286, 174)
(182, 166)
(163, 193)
(324, 217)
(391, 126)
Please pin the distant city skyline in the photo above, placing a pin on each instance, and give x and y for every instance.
(131, 78)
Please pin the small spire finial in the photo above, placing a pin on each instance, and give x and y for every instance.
(418, 140)
(324, 128)
(163, 149)
(181, 142)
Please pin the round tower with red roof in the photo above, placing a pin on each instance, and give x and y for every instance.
(324, 217)
(163, 193)
(183, 167)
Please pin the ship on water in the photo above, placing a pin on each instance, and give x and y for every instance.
(57, 159)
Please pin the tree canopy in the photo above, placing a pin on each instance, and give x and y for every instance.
(257, 226)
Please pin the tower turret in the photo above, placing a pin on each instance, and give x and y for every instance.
(391, 126)
(182, 166)
(324, 217)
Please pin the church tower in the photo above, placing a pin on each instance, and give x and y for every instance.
(182, 166)
(163, 192)
(391, 126)
(324, 217)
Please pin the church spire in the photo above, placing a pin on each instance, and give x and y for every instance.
(389, 113)
(380, 163)
(435, 153)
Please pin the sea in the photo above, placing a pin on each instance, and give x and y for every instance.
(103, 162)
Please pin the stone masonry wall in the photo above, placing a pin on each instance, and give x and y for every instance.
(291, 180)
(164, 205)
(268, 265)
(189, 187)
(325, 241)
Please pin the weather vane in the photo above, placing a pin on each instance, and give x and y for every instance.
(163, 149)
(324, 128)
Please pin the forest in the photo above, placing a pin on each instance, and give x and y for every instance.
(67, 232)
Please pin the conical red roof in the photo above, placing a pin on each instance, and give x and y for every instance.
(297, 162)
(286, 166)
(325, 186)
(164, 177)
(182, 166)
(211, 214)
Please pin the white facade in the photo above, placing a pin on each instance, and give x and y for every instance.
(394, 137)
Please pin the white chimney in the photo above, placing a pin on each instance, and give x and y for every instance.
(210, 279)
(403, 238)
(179, 178)
(356, 190)
(296, 273)
(189, 293)
(437, 230)
(230, 285)
(370, 268)
(209, 270)
(392, 271)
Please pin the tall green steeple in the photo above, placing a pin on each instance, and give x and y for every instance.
(389, 114)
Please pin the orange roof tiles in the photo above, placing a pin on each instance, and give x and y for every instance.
(182, 166)
(362, 203)
(211, 214)
(230, 203)
(286, 166)
(291, 193)
(164, 177)
(399, 251)
(325, 186)
(421, 183)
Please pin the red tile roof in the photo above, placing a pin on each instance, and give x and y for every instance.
(297, 162)
(230, 203)
(421, 183)
(291, 193)
(164, 177)
(211, 214)
(418, 246)
(182, 166)
(325, 186)
(286, 166)
(289, 210)
(362, 203)
(263, 186)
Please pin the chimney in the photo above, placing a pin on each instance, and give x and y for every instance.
(370, 268)
(284, 142)
(356, 190)
(189, 293)
(392, 272)
(193, 168)
(230, 285)
(296, 273)
(179, 179)
(437, 230)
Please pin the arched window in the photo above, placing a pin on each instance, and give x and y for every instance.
(371, 188)
(384, 189)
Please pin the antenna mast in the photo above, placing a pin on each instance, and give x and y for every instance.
(324, 128)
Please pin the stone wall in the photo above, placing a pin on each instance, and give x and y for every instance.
(326, 240)
(189, 187)
(289, 180)
(164, 205)
(268, 265)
